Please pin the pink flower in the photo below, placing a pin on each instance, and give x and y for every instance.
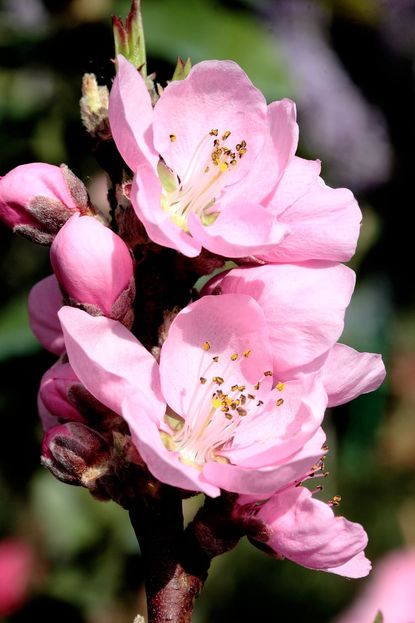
(210, 416)
(390, 591)
(44, 302)
(16, 569)
(37, 198)
(215, 168)
(294, 525)
(304, 306)
(55, 395)
(94, 267)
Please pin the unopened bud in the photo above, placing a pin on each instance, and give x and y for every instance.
(44, 302)
(129, 39)
(55, 392)
(37, 199)
(94, 107)
(76, 454)
(94, 268)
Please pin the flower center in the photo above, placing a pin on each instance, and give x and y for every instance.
(208, 172)
(216, 410)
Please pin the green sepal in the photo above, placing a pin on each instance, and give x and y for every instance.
(182, 69)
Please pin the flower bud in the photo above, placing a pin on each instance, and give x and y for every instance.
(55, 391)
(17, 563)
(37, 199)
(94, 107)
(76, 454)
(44, 302)
(94, 268)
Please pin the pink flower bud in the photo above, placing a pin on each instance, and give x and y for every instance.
(94, 267)
(76, 454)
(37, 199)
(55, 392)
(45, 300)
(16, 570)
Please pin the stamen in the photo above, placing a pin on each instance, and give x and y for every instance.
(234, 357)
(246, 353)
(215, 359)
(202, 380)
(206, 346)
(213, 132)
(280, 402)
(173, 137)
(280, 386)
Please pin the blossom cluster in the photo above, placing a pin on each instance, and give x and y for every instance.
(229, 397)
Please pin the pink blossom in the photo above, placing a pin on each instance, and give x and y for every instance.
(55, 394)
(304, 306)
(16, 569)
(390, 590)
(37, 198)
(44, 302)
(210, 415)
(215, 168)
(294, 525)
(93, 266)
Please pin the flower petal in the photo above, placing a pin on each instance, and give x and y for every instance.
(44, 302)
(131, 116)
(163, 464)
(213, 327)
(304, 307)
(109, 360)
(243, 228)
(215, 95)
(347, 373)
(306, 531)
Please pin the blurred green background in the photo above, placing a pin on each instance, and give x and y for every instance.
(349, 66)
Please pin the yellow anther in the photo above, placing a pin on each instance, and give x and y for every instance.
(280, 386)
(202, 380)
(206, 346)
(257, 386)
(241, 411)
(228, 416)
(218, 380)
(223, 167)
(242, 151)
(234, 388)
(335, 500)
(225, 135)
(225, 409)
(173, 137)
(241, 388)
(233, 162)
(234, 357)
(215, 359)
(213, 132)
(246, 353)
(280, 402)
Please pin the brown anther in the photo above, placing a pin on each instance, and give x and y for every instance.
(233, 405)
(225, 408)
(242, 151)
(216, 142)
(335, 500)
(243, 399)
(225, 135)
(172, 137)
(325, 447)
(243, 143)
(233, 162)
(213, 132)
(219, 393)
(218, 380)
(268, 373)
(257, 386)
(206, 346)
(206, 169)
(251, 396)
(234, 357)
(246, 353)
(238, 147)
(215, 359)
(228, 416)
(202, 380)
(234, 388)
(259, 403)
(241, 411)
(241, 388)
(280, 402)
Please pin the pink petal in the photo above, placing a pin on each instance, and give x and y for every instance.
(275, 156)
(324, 224)
(278, 432)
(230, 324)
(215, 95)
(109, 360)
(347, 373)
(299, 175)
(306, 531)
(357, 567)
(145, 197)
(131, 116)
(242, 228)
(304, 307)
(163, 464)
(44, 302)
(264, 482)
